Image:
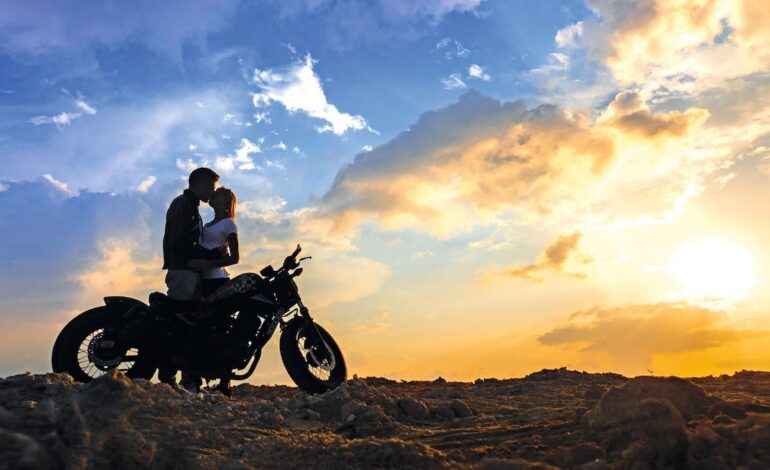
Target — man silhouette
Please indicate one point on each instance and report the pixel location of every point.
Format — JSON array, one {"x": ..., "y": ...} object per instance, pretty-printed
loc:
[{"x": 181, "y": 243}]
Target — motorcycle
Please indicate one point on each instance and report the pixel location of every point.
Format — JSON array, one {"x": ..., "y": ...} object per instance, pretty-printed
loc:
[{"x": 220, "y": 337}]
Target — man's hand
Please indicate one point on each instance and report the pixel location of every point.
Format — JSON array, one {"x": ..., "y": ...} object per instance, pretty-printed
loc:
[{"x": 199, "y": 264}]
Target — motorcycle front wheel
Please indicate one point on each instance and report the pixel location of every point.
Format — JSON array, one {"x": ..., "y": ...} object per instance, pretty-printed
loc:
[
  {"x": 313, "y": 360},
  {"x": 73, "y": 351}
]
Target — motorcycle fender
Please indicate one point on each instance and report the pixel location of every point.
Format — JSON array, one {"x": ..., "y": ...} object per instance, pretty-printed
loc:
[{"x": 123, "y": 303}]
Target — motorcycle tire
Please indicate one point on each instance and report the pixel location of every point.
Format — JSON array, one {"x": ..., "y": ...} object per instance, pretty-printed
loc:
[
  {"x": 69, "y": 344},
  {"x": 299, "y": 364}
]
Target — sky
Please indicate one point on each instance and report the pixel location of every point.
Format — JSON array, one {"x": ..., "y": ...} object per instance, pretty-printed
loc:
[{"x": 487, "y": 187}]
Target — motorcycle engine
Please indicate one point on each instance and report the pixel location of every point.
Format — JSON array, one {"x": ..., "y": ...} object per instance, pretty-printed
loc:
[{"x": 223, "y": 345}]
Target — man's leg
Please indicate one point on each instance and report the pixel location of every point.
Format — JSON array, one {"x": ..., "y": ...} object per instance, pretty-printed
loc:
[{"x": 182, "y": 285}]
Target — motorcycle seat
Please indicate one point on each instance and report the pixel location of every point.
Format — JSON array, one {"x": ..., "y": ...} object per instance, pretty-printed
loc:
[{"x": 162, "y": 302}]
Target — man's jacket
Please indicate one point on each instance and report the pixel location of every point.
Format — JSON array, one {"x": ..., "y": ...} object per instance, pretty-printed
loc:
[{"x": 182, "y": 235}]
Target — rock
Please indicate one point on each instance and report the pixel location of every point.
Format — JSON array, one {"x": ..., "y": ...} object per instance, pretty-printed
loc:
[
  {"x": 594, "y": 392},
  {"x": 493, "y": 463},
  {"x": 414, "y": 408},
  {"x": 722, "y": 419},
  {"x": 727, "y": 409},
  {"x": 707, "y": 435},
  {"x": 310, "y": 414},
  {"x": 659, "y": 438},
  {"x": 20, "y": 451},
  {"x": 442, "y": 412},
  {"x": 620, "y": 403},
  {"x": 586, "y": 452},
  {"x": 460, "y": 409},
  {"x": 440, "y": 380}
]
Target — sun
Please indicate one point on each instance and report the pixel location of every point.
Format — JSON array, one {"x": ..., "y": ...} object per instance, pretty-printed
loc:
[{"x": 712, "y": 269}]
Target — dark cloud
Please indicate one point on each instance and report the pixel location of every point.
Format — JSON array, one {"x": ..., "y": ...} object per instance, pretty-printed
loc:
[
  {"x": 629, "y": 113},
  {"x": 633, "y": 334},
  {"x": 49, "y": 235},
  {"x": 72, "y": 27},
  {"x": 477, "y": 156},
  {"x": 554, "y": 258},
  {"x": 348, "y": 24}
]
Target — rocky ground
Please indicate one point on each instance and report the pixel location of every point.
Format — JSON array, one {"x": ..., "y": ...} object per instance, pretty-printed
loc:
[{"x": 549, "y": 419}]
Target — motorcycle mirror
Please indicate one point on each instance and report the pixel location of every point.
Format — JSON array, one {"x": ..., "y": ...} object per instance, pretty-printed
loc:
[
  {"x": 297, "y": 272},
  {"x": 306, "y": 257}
]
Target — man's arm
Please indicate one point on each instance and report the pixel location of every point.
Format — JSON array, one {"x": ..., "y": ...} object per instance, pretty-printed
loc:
[{"x": 182, "y": 234}]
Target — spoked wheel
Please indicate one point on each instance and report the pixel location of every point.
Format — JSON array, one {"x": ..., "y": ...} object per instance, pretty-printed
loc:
[
  {"x": 313, "y": 360},
  {"x": 78, "y": 350}
]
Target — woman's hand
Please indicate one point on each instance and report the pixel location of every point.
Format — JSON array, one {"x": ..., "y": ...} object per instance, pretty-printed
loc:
[{"x": 200, "y": 264}]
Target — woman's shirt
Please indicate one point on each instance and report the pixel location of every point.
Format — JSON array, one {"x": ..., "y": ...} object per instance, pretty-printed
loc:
[{"x": 214, "y": 235}]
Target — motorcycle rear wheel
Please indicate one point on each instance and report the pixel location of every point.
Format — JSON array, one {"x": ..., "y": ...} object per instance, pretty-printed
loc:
[
  {"x": 304, "y": 368},
  {"x": 72, "y": 353}
]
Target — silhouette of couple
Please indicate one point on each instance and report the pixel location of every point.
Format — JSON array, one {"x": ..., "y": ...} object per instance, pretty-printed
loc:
[{"x": 195, "y": 254}]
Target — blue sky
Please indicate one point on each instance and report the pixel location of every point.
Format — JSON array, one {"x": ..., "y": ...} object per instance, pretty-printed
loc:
[{"x": 527, "y": 160}]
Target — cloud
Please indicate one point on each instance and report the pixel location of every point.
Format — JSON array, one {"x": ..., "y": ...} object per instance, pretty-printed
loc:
[
  {"x": 674, "y": 45},
  {"x": 61, "y": 186},
  {"x": 629, "y": 113},
  {"x": 50, "y": 234},
  {"x": 54, "y": 27},
  {"x": 476, "y": 71},
  {"x": 85, "y": 107},
  {"x": 453, "y": 82},
  {"x": 154, "y": 131},
  {"x": 298, "y": 88},
  {"x": 349, "y": 24},
  {"x": 569, "y": 36},
  {"x": 453, "y": 49},
  {"x": 61, "y": 119},
  {"x": 555, "y": 258},
  {"x": 146, "y": 184},
  {"x": 479, "y": 161},
  {"x": 632, "y": 335}
]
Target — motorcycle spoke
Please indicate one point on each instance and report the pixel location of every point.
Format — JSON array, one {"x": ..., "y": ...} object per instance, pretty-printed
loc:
[{"x": 90, "y": 369}]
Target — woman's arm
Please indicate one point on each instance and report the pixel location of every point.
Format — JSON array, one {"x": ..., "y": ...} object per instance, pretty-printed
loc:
[{"x": 233, "y": 258}]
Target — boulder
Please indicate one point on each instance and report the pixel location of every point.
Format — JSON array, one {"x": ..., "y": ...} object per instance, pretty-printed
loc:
[
  {"x": 414, "y": 408},
  {"x": 619, "y": 404},
  {"x": 460, "y": 409}
]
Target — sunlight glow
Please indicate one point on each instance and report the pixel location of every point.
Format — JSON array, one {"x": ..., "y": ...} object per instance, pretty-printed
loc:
[{"x": 713, "y": 269}]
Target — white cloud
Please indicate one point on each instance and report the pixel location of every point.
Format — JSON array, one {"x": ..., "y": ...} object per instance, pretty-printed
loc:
[
  {"x": 146, "y": 184},
  {"x": 453, "y": 82},
  {"x": 242, "y": 159},
  {"x": 61, "y": 119},
  {"x": 477, "y": 71},
  {"x": 186, "y": 165},
  {"x": 265, "y": 210},
  {"x": 85, "y": 107},
  {"x": 453, "y": 49},
  {"x": 422, "y": 254},
  {"x": 568, "y": 37},
  {"x": 262, "y": 117},
  {"x": 56, "y": 183},
  {"x": 280, "y": 146},
  {"x": 367, "y": 148},
  {"x": 298, "y": 88},
  {"x": 296, "y": 150},
  {"x": 192, "y": 147}
]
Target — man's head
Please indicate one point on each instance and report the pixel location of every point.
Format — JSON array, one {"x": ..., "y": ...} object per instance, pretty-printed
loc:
[{"x": 203, "y": 182}]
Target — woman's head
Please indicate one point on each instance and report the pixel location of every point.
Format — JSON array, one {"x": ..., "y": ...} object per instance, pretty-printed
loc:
[{"x": 224, "y": 200}]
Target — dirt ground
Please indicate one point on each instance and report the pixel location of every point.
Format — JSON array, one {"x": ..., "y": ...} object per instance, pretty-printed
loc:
[{"x": 550, "y": 419}]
